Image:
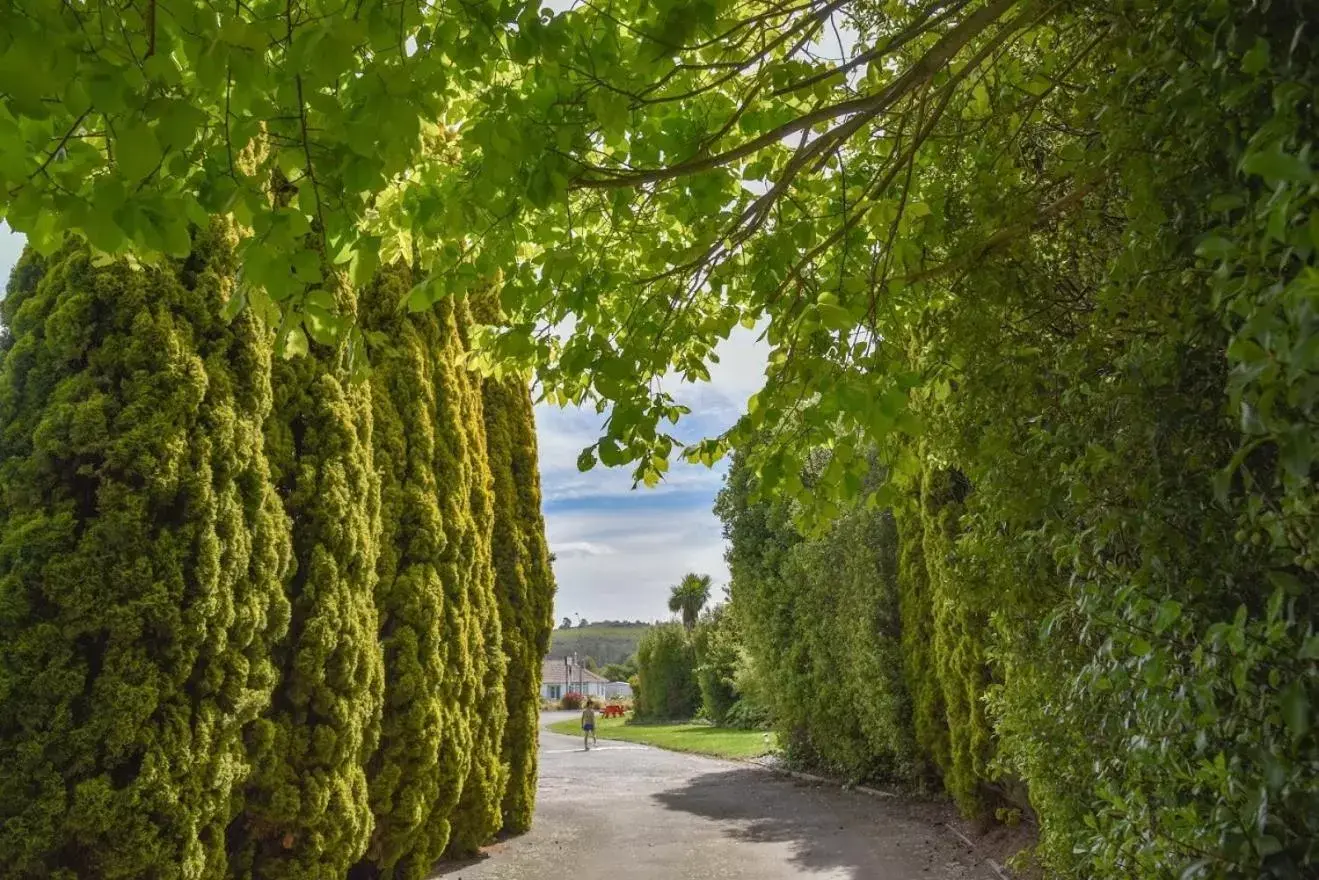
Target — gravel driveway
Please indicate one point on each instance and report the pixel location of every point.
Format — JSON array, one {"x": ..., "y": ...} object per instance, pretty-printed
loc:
[{"x": 628, "y": 812}]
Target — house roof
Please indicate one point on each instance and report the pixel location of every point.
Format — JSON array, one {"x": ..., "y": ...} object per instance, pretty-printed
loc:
[{"x": 554, "y": 671}]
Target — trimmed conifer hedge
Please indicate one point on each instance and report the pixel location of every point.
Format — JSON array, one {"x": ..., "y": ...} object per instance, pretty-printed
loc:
[
  {"x": 524, "y": 584},
  {"x": 307, "y": 813},
  {"x": 477, "y": 817},
  {"x": 258, "y": 618},
  {"x": 433, "y": 558},
  {"x": 142, "y": 560}
]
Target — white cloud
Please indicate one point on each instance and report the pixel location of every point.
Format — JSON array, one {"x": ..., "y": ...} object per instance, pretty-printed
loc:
[
  {"x": 652, "y": 550},
  {"x": 577, "y": 549},
  {"x": 655, "y": 535}
]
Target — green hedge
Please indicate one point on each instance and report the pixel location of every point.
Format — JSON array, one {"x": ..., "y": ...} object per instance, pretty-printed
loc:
[
  {"x": 1105, "y": 492},
  {"x": 716, "y": 644},
  {"x": 253, "y": 613},
  {"x": 477, "y": 816},
  {"x": 666, "y": 671},
  {"x": 307, "y": 812},
  {"x": 524, "y": 584},
  {"x": 142, "y": 565},
  {"x": 425, "y": 524},
  {"x": 820, "y": 615}
]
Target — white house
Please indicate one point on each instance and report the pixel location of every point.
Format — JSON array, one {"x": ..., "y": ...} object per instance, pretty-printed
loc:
[{"x": 559, "y": 677}]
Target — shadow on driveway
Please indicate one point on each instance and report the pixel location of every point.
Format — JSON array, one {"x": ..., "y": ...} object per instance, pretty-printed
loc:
[{"x": 826, "y": 830}]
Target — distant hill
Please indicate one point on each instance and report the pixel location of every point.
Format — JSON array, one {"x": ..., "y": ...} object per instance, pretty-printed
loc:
[{"x": 606, "y": 642}]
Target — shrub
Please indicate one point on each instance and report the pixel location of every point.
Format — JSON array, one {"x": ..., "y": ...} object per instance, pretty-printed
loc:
[
  {"x": 471, "y": 595},
  {"x": 142, "y": 558},
  {"x": 819, "y": 616},
  {"x": 715, "y": 642},
  {"x": 667, "y": 673},
  {"x": 429, "y": 536},
  {"x": 572, "y": 700},
  {"x": 524, "y": 581},
  {"x": 307, "y": 813}
]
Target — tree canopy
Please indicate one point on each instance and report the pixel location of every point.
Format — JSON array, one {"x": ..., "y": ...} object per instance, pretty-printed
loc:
[
  {"x": 648, "y": 176},
  {"x": 689, "y": 596},
  {"x": 1036, "y": 275}
]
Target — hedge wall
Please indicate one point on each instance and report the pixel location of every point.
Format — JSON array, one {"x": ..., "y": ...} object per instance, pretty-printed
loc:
[
  {"x": 524, "y": 584},
  {"x": 142, "y": 563},
  {"x": 307, "y": 812},
  {"x": 258, "y": 617}
]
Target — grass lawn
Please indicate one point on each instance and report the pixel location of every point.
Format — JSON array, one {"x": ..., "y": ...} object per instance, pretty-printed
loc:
[{"x": 700, "y": 739}]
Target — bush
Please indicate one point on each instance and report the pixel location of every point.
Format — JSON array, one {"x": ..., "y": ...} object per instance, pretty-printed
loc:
[
  {"x": 572, "y": 700},
  {"x": 715, "y": 641},
  {"x": 819, "y": 616},
  {"x": 667, "y": 673},
  {"x": 431, "y": 541},
  {"x": 143, "y": 553},
  {"x": 524, "y": 581},
  {"x": 308, "y": 812}
]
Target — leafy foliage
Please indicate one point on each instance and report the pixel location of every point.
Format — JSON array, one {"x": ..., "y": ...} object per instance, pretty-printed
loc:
[
  {"x": 666, "y": 675},
  {"x": 524, "y": 583},
  {"x": 716, "y": 645},
  {"x": 142, "y": 564},
  {"x": 689, "y": 596},
  {"x": 820, "y": 616},
  {"x": 619, "y": 671}
]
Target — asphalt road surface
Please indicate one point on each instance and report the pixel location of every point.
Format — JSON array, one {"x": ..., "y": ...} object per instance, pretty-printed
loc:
[{"x": 629, "y": 812}]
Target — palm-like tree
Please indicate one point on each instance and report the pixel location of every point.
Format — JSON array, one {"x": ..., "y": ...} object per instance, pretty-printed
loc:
[{"x": 689, "y": 597}]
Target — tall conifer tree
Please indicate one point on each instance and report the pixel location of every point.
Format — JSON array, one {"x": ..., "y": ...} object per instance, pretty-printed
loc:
[
  {"x": 434, "y": 558},
  {"x": 142, "y": 556},
  {"x": 477, "y": 817},
  {"x": 524, "y": 582},
  {"x": 308, "y": 815}
]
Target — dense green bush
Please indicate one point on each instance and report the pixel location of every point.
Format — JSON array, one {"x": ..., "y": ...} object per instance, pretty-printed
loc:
[
  {"x": 478, "y": 814},
  {"x": 524, "y": 583},
  {"x": 820, "y": 616},
  {"x": 620, "y": 671},
  {"x": 425, "y": 523},
  {"x": 950, "y": 611},
  {"x": 141, "y": 564},
  {"x": 308, "y": 813},
  {"x": 717, "y": 646},
  {"x": 666, "y": 673}
]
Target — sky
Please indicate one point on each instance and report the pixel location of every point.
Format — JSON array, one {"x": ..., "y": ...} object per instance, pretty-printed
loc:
[{"x": 619, "y": 550}]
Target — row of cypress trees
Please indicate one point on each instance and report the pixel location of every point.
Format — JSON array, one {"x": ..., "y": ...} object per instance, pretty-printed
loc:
[{"x": 257, "y": 619}]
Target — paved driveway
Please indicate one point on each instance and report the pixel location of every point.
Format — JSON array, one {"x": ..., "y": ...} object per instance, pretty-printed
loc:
[{"x": 627, "y": 812}]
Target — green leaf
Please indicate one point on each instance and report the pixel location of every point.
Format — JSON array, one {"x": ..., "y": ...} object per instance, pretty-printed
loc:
[
  {"x": 1215, "y": 247},
  {"x": 1167, "y": 614},
  {"x": 174, "y": 229},
  {"x": 1257, "y": 58},
  {"x": 1295, "y": 704},
  {"x": 233, "y": 305},
  {"x": 586, "y": 460},
  {"x": 1276, "y": 165},
  {"x": 137, "y": 151},
  {"x": 295, "y": 343},
  {"x": 307, "y": 267}
]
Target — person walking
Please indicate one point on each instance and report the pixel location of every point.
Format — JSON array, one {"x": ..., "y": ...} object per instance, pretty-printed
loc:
[{"x": 588, "y": 725}]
